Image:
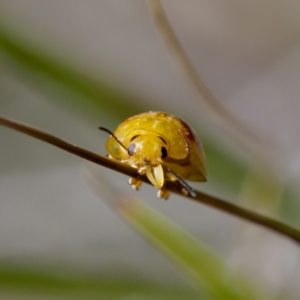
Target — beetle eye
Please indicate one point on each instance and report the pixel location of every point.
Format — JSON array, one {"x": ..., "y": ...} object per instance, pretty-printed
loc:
[
  {"x": 131, "y": 149},
  {"x": 164, "y": 152}
]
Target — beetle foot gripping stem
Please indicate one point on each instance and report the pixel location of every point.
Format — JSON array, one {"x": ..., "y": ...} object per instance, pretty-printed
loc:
[
  {"x": 135, "y": 183},
  {"x": 163, "y": 193}
]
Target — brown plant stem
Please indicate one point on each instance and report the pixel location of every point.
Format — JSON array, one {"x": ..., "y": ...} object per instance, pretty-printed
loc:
[
  {"x": 242, "y": 131},
  {"x": 174, "y": 187}
]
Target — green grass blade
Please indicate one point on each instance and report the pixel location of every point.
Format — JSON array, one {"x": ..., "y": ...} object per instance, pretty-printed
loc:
[
  {"x": 24, "y": 282},
  {"x": 22, "y": 54},
  {"x": 202, "y": 265}
]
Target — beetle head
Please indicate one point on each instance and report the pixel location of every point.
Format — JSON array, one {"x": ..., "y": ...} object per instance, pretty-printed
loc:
[{"x": 147, "y": 153}]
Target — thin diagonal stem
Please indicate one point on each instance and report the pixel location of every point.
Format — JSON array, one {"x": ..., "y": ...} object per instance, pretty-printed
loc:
[{"x": 174, "y": 187}]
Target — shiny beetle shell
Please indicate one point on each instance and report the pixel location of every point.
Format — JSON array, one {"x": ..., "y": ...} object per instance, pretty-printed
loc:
[{"x": 157, "y": 141}]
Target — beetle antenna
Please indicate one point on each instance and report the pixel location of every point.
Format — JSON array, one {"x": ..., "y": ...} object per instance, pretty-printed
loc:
[
  {"x": 183, "y": 183},
  {"x": 113, "y": 135}
]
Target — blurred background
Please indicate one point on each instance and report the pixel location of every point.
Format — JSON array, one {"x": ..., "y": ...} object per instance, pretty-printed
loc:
[{"x": 68, "y": 67}]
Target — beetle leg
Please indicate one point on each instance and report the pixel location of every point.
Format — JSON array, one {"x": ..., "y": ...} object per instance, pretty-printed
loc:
[
  {"x": 135, "y": 183},
  {"x": 184, "y": 191},
  {"x": 163, "y": 193},
  {"x": 142, "y": 170}
]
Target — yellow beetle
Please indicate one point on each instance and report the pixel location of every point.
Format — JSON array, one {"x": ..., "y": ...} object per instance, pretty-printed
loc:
[{"x": 161, "y": 146}]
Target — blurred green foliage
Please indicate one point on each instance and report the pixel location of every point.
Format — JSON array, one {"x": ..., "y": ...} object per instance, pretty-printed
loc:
[
  {"x": 204, "y": 266},
  {"x": 209, "y": 271},
  {"x": 16, "y": 281}
]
